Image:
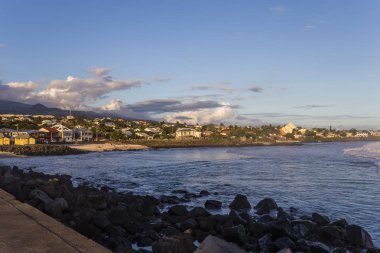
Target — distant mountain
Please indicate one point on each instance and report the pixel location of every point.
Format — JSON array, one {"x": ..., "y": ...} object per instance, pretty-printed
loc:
[{"x": 11, "y": 107}]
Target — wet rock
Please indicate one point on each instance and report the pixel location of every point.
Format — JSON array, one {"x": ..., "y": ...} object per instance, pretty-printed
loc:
[
  {"x": 40, "y": 195},
  {"x": 240, "y": 202},
  {"x": 357, "y": 236},
  {"x": 101, "y": 221},
  {"x": 178, "y": 210},
  {"x": 321, "y": 220},
  {"x": 331, "y": 235},
  {"x": 175, "y": 244},
  {"x": 206, "y": 223},
  {"x": 256, "y": 229},
  {"x": 169, "y": 199},
  {"x": 213, "y": 204},
  {"x": 214, "y": 244},
  {"x": 266, "y": 244},
  {"x": 236, "y": 234},
  {"x": 287, "y": 250},
  {"x": 56, "y": 207},
  {"x": 313, "y": 247},
  {"x": 265, "y": 206},
  {"x": 198, "y": 212},
  {"x": 189, "y": 223},
  {"x": 340, "y": 223},
  {"x": 204, "y": 193},
  {"x": 285, "y": 243},
  {"x": 236, "y": 219}
]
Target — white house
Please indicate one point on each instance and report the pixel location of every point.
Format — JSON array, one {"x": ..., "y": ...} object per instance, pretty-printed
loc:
[
  {"x": 187, "y": 133},
  {"x": 361, "y": 135},
  {"x": 288, "y": 129},
  {"x": 65, "y": 133},
  {"x": 83, "y": 134}
]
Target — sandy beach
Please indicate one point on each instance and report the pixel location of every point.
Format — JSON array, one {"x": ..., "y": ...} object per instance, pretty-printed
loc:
[{"x": 101, "y": 147}]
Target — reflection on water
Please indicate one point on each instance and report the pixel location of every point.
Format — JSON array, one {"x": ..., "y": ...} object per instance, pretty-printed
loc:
[{"x": 313, "y": 177}]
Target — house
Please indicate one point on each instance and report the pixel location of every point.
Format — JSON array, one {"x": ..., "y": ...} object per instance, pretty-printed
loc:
[
  {"x": 47, "y": 122},
  {"x": 4, "y": 140},
  {"x": 48, "y": 134},
  {"x": 24, "y": 139},
  {"x": 144, "y": 136},
  {"x": 187, "y": 133},
  {"x": 287, "y": 129},
  {"x": 154, "y": 130},
  {"x": 126, "y": 132},
  {"x": 361, "y": 135},
  {"x": 110, "y": 124},
  {"x": 83, "y": 134},
  {"x": 65, "y": 134}
]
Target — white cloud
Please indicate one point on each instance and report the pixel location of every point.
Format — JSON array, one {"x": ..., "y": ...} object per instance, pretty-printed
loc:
[
  {"x": 204, "y": 116},
  {"x": 72, "y": 92},
  {"x": 114, "y": 105}
]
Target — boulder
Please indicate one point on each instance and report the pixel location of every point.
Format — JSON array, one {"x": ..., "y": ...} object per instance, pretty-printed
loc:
[
  {"x": 284, "y": 243},
  {"x": 101, "y": 220},
  {"x": 198, "y": 212},
  {"x": 321, "y": 220},
  {"x": 331, "y": 235},
  {"x": 313, "y": 247},
  {"x": 40, "y": 195},
  {"x": 236, "y": 234},
  {"x": 213, "y": 204},
  {"x": 175, "y": 244},
  {"x": 214, "y": 244},
  {"x": 265, "y": 206},
  {"x": 287, "y": 250},
  {"x": 178, "y": 210},
  {"x": 240, "y": 202},
  {"x": 357, "y": 236}
]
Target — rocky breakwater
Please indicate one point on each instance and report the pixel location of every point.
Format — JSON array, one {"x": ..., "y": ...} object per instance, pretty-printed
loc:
[
  {"x": 119, "y": 221},
  {"x": 41, "y": 150}
]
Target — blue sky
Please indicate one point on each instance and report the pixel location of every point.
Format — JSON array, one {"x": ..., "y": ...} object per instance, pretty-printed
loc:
[{"x": 315, "y": 63}]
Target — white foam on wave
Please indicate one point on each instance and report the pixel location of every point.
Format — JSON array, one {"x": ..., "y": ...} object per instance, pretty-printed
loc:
[{"x": 371, "y": 150}]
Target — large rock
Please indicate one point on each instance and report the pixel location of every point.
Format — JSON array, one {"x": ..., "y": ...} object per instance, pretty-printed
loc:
[
  {"x": 357, "y": 236},
  {"x": 178, "y": 210},
  {"x": 321, "y": 220},
  {"x": 331, "y": 235},
  {"x": 236, "y": 234},
  {"x": 40, "y": 195},
  {"x": 214, "y": 244},
  {"x": 213, "y": 204},
  {"x": 175, "y": 244},
  {"x": 313, "y": 247},
  {"x": 240, "y": 202},
  {"x": 265, "y": 206}
]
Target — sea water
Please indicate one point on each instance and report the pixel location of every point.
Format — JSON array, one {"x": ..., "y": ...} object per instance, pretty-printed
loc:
[{"x": 340, "y": 180}]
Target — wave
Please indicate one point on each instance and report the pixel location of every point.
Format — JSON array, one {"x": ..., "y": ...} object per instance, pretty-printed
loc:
[{"x": 371, "y": 150}]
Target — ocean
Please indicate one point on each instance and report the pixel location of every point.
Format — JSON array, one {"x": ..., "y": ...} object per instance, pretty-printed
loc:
[{"x": 340, "y": 180}]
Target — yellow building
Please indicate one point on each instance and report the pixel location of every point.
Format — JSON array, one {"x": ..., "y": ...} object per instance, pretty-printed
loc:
[
  {"x": 24, "y": 139},
  {"x": 4, "y": 140}
]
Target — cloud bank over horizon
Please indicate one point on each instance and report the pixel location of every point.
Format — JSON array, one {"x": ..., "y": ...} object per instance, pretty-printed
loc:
[{"x": 78, "y": 93}]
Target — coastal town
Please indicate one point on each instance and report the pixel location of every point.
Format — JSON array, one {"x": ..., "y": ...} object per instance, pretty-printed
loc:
[{"x": 43, "y": 129}]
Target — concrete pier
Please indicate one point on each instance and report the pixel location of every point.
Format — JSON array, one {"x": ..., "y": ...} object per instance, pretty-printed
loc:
[{"x": 24, "y": 228}]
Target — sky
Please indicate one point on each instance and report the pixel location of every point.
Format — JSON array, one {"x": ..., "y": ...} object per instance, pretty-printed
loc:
[{"x": 315, "y": 63}]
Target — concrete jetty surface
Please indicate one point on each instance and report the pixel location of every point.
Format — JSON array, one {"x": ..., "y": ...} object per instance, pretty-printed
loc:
[{"x": 24, "y": 228}]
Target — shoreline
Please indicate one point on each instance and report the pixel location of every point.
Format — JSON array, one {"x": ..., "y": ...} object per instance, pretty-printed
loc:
[
  {"x": 106, "y": 147},
  {"x": 139, "y": 145},
  {"x": 119, "y": 220}
]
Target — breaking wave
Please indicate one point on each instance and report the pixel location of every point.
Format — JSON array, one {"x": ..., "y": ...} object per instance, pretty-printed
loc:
[{"x": 371, "y": 150}]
